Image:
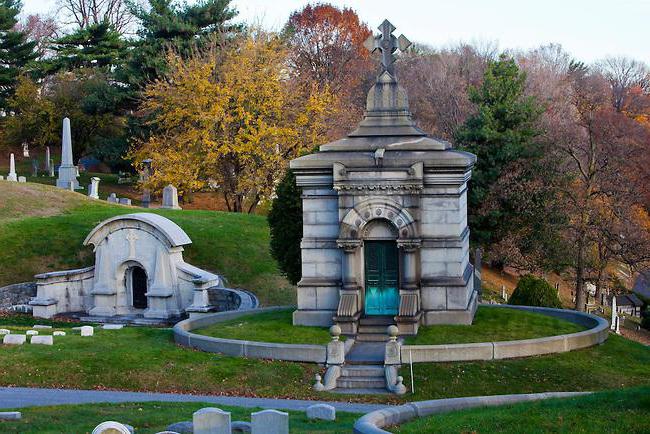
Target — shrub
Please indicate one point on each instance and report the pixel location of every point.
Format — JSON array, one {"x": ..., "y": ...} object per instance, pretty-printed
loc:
[
  {"x": 534, "y": 291},
  {"x": 285, "y": 222}
]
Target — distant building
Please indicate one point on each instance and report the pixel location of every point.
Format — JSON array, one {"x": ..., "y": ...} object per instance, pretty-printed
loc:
[{"x": 629, "y": 304}]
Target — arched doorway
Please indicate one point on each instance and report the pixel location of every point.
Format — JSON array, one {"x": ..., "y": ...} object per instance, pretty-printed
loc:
[
  {"x": 137, "y": 281},
  {"x": 381, "y": 269}
]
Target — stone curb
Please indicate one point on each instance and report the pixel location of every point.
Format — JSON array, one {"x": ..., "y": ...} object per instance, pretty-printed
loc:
[
  {"x": 239, "y": 348},
  {"x": 596, "y": 334},
  {"x": 373, "y": 422}
]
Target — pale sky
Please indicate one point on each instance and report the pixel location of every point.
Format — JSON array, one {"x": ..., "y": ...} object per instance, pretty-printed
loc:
[{"x": 588, "y": 29}]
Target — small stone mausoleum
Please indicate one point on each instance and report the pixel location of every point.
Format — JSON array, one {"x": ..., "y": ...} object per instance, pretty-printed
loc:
[
  {"x": 139, "y": 271},
  {"x": 385, "y": 218}
]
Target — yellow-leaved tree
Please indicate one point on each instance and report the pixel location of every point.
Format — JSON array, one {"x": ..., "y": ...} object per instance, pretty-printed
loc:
[{"x": 230, "y": 120}]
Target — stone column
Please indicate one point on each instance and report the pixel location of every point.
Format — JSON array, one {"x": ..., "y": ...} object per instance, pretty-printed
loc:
[
  {"x": 67, "y": 171},
  {"x": 47, "y": 159},
  {"x": 93, "y": 188},
  {"x": 408, "y": 316},
  {"x": 409, "y": 249},
  {"x": 12, "y": 169},
  {"x": 349, "y": 308},
  {"x": 349, "y": 254}
]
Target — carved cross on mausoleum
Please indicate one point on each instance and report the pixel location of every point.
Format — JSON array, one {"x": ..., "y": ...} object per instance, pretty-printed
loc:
[{"x": 388, "y": 44}]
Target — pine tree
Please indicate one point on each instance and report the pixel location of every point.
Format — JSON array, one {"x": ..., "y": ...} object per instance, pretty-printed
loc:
[{"x": 16, "y": 52}]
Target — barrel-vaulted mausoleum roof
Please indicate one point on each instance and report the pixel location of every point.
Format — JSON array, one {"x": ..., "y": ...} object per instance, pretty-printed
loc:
[{"x": 157, "y": 225}]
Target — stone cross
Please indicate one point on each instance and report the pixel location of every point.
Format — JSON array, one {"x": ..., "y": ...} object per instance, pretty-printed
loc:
[
  {"x": 131, "y": 237},
  {"x": 387, "y": 43},
  {"x": 12, "y": 169}
]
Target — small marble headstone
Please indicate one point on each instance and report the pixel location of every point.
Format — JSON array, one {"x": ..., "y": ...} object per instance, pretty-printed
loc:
[
  {"x": 22, "y": 179},
  {"x": 93, "y": 188},
  {"x": 42, "y": 340},
  {"x": 112, "y": 198},
  {"x": 87, "y": 331},
  {"x": 211, "y": 420},
  {"x": 41, "y": 326},
  {"x": 321, "y": 411},
  {"x": 111, "y": 427},
  {"x": 125, "y": 201},
  {"x": 170, "y": 198},
  {"x": 11, "y": 339},
  {"x": 58, "y": 333},
  {"x": 31, "y": 332},
  {"x": 4, "y": 331},
  {"x": 25, "y": 150},
  {"x": 112, "y": 326},
  {"x": 10, "y": 415},
  {"x": 270, "y": 422}
]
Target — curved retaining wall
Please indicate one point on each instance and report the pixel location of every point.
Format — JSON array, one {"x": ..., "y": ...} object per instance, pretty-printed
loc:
[
  {"x": 232, "y": 347},
  {"x": 373, "y": 422},
  {"x": 597, "y": 332}
]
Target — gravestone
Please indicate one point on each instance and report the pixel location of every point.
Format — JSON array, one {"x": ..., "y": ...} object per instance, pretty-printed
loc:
[
  {"x": 41, "y": 326},
  {"x": 270, "y": 422},
  {"x": 42, "y": 340},
  {"x": 111, "y": 427},
  {"x": 112, "y": 326},
  {"x": 25, "y": 150},
  {"x": 321, "y": 411},
  {"x": 51, "y": 168},
  {"x": 10, "y": 415},
  {"x": 170, "y": 198},
  {"x": 12, "y": 169},
  {"x": 211, "y": 420},
  {"x": 87, "y": 331},
  {"x": 614, "y": 314},
  {"x": 2, "y": 178},
  {"x": 67, "y": 170},
  {"x": 31, "y": 332},
  {"x": 5, "y": 331},
  {"x": 12, "y": 339},
  {"x": 112, "y": 198},
  {"x": 47, "y": 159},
  {"x": 93, "y": 188},
  {"x": 58, "y": 333},
  {"x": 125, "y": 201},
  {"x": 22, "y": 179}
]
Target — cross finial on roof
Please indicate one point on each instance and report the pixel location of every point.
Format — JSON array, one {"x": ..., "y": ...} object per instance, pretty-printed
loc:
[{"x": 388, "y": 44}]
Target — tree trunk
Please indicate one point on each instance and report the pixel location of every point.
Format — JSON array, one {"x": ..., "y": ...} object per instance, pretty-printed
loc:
[{"x": 580, "y": 269}]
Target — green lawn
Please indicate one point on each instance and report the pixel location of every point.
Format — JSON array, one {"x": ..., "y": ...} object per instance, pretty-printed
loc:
[
  {"x": 495, "y": 324},
  {"x": 273, "y": 326},
  {"x": 619, "y": 411},
  {"x": 149, "y": 418},
  {"x": 42, "y": 229}
]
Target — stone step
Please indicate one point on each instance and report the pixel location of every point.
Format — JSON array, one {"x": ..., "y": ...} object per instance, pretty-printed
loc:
[
  {"x": 377, "y": 320},
  {"x": 373, "y": 329},
  {"x": 372, "y": 337},
  {"x": 361, "y": 391},
  {"x": 361, "y": 382},
  {"x": 363, "y": 371}
]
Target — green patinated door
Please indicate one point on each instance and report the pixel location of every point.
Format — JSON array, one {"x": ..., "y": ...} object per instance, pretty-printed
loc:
[{"x": 382, "y": 275}]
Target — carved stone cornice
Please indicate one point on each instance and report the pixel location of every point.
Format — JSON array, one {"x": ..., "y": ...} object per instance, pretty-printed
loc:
[
  {"x": 409, "y": 245},
  {"x": 415, "y": 187},
  {"x": 349, "y": 246}
]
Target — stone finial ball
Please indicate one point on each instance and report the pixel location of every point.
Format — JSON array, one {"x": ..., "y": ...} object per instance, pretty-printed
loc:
[
  {"x": 335, "y": 330},
  {"x": 392, "y": 331},
  {"x": 400, "y": 379}
]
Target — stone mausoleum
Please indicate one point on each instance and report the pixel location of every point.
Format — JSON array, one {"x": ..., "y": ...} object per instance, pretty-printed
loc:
[
  {"x": 385, "y": 218},
  {"x": 139, "y": 271}
]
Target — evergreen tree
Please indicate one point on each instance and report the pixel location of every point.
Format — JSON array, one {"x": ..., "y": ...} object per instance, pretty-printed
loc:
[
  {"x": 166, "y": 25},
  {"x": 285, "y": 222},
  {"x": 502, "y": 131},
  {"x": 16, "y": 52}
]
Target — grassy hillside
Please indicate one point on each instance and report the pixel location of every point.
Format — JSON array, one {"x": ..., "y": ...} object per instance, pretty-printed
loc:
[{"x": 42, "y": 229}]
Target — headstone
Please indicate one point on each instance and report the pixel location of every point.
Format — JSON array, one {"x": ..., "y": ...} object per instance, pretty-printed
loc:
[
  {"x": 51, "y": 168},
  {"x": 112, "y": 326},
  {"x": 5, "y": 331},
  {"x": 35, "y": 167},
  {"x": 11, "y": 339},
  {"x": 239, "y": 426},
  {"x": 31, "y": 332},
  {"x": 185, "y": 427},
  {"x": 25, "y": 150},
  {"x": 2, "y": 178},
  {"x": 211, "y": 420},
  {"x": 41, "y": 326},
  {"x": 67, "y": 170},
  {"x": 58, "y": 333},
  {"x": 112, "y": 198},
  {"x": 614, "y": 313},
  {"x": 270, "y": 422},
  {"x": 111, "y": 427},
  {"x": 12, "y": 169},
  {"x": 42, "y": 340},
  {"x": 504, "y": 294},
  {"x": 170, "y": 198},
  {"x": 321, "y": 411},
  {"x": 617, "y": 330},
  {"x": 10, "y": 415},
  {"x": 87, "y": 331},
  {"x": 125, "y": 201},
  {"x": 47, "y": 159},
  {"x": 93, "y": 188},
  {"x": 22, "y": 179}
]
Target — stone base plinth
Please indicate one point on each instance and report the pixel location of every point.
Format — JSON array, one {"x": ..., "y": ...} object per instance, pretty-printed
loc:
[
  {"x": 461, "y": 317},
  {"x": 322, "y": 318}
]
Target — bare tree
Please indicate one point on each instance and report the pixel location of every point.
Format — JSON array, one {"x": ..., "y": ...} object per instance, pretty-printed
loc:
[
  {"x": 623, "y": 74},
  {"x": 41, "y": 29},
  {"x": 84, "y": 13}
]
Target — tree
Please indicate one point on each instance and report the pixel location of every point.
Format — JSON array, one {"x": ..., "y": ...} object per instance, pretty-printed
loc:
[
  {"x": 326, "y": 47},
  {"x": 623, "y": 75},
  {"x": 40, "y": 29},
  {"x": 229, "y": 120},
  {"x": 534, "y": 291},
  {"x": 502, "y": 131},
  {"x": 89, "y": 13},
  {"x": 285, "y": 223},
  {"x": 16, "y": 52}
]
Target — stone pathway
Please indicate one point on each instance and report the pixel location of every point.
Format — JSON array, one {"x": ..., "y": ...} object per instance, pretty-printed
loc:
[{"x": 17, "y": 397}]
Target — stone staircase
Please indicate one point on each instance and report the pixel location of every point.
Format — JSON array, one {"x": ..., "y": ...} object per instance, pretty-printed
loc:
[{"x": 373, "y": 328}]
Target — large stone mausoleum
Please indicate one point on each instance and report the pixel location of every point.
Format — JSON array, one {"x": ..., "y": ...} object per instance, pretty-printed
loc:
[{"x": 385, "y": 218}]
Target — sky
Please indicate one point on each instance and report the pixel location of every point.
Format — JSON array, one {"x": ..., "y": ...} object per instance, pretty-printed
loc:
[{"x": 589, "y": 30}]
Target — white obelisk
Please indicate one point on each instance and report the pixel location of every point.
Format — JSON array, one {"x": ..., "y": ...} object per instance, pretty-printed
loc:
[
  {"x": 67, "y": 170},
  {"x": 12, "y": 169}
]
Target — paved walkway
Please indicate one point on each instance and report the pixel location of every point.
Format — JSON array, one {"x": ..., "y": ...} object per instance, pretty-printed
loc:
[{"x": 15, "y": 397}]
